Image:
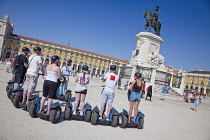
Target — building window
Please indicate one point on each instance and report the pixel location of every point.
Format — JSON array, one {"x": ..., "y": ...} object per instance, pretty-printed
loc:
[
  {"x": 18, "y": 42},
  {"x": 24, "y": 44},
  {"x": 10, "y": 41}
]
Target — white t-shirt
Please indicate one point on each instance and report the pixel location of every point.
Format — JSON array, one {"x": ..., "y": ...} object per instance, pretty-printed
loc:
[
  {"x": 33, "y": 68},
  {"x": 66, "y": 70},
  {"x": 84, "y": 80},
  {"x": 111, "y": 80}
]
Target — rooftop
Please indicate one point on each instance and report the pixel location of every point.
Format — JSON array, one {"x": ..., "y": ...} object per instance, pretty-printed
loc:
[
  {"x": 199, "y": 72},
  {"x": 71, "y": 48}
]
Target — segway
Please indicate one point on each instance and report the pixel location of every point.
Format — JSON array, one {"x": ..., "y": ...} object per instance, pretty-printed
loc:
[
  {"x": 62, "y": 93},
  {"x": 9, "y": 86},
  {"x": 113, "y": 117},
  {"x": 68, "y": 113},
  {"x": 17, "y": 98},
  {"x": 123, "y": 120},
  {"x": 55, "y": 111}
]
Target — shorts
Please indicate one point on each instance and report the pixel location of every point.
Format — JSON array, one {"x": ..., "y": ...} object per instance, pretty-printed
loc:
[
  {"x": 82, "y": 92},
  {"x": 50, "y": 88},
  {"x": 19, "y": 77},
  {"x": 13, "y": 71},
  {"x": 9, "y": 65},
  {"x": 30, "y": 83},
  {"x": 135, "y": 96},
  {"x": 196, "y": 102},
  {"x": 107, "y": 97}
]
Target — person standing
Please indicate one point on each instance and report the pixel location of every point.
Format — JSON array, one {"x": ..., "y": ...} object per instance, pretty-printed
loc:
[
  {"x": 108, "y": 93},
  {"x": 143, "y": 89},
  {"x": 46, "y": 63},
  {"x": 9, "y": 63},
  {"x": 164, "y": 91},
  {"x": 66, "y": 72},
  {"x": 135, "y": 96},
  {"x": 81, "y": 89},
  {"x": 196, "y": 100},
  {"x": 20, "y": 67},
  {"x": 51, "y": 83},
  {"x": 119, "y": 82},
  {"x": 149, "y": 93},
  {"x": 35, "y": 65}
]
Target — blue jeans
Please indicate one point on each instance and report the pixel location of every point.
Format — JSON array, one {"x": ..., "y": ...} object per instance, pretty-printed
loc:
[{"x": 135, "y": 96}]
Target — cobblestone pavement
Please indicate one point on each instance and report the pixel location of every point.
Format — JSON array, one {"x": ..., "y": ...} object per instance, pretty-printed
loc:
[{"x": 164, "y": 120}]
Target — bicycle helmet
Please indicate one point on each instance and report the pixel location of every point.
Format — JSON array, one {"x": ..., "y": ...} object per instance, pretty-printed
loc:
[
  {"x": 85, "y": 68},
  {"x": 69, "y": 61},
  {"x": 37, "y": 49},
  {"x": 137, "y": 74},
  {"x": 25, "y": 49},
  {"x": 113, "y": 67},
  {"x": 54, "y": 59}
]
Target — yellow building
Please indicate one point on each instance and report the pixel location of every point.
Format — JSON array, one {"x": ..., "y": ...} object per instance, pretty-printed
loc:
[
  {"x": 12, "y": 44},
  {"x": 198, "y": 80}
]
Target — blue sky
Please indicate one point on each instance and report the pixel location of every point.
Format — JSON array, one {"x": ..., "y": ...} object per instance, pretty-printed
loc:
[{"x": 109, "y": 27}]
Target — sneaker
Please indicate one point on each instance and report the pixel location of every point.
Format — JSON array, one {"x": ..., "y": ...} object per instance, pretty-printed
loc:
[
  {"x": 74, "y": 113},
  {"x": 107, "y": 119},
  {"x": 100, "y": 118},
  {"x": 81, "y": 113}
]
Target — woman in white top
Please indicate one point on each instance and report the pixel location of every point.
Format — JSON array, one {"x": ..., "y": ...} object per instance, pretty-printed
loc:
[
  {"x": 8, "y": 63},
  {"x": 51, "y": 84},
  {"x": 81, "y": 89}
]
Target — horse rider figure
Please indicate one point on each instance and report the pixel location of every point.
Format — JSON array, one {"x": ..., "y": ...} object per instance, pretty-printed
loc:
[{"x": 155, "y": 15}]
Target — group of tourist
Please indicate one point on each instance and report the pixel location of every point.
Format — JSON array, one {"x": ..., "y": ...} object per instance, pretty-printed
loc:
[{"x": 26, "y": 72}]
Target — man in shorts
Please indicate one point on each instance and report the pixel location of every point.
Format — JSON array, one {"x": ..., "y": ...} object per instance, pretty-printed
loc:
[
  {"x": 107, "y": 95},
  {"x": 35, "y": 64},
  {"x": 164, "y": 91},
  {"x": 20, "y": 67}
]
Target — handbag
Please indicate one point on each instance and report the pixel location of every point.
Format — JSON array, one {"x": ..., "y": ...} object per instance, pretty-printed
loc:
[{"x": 129, "y": 93}]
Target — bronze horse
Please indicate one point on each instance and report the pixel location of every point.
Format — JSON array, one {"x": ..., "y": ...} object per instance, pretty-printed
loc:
[{"x": 152, "y": 22}]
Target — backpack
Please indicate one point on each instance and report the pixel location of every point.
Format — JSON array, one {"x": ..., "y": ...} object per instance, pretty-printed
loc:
[{"x": 17, "y": 64}]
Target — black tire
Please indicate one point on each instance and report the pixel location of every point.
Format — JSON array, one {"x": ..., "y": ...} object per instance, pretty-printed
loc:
[
  {"x": 12, "y": 97},
  {"x": 88, "y": 116},
  {"x": 67, "y": 112},
  {"x": 123, "y": 120},
  {"x": 9, "y": 92},
  {"x": 114, "y": 121},
  {"x": 94, "y": 117},
  {"x": 16, "y": 100},
  {"x": 32, "y": 111},
  {"x": 140, "y": 124},
  {"x": 28, "y": 105},
  {"x": 8, "y": 87},
  {"x": 55, "y": 114},
  {"x": 68, "y": 96}
]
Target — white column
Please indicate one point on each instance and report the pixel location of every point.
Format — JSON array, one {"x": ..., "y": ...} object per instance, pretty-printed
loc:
[
  {"x": 119, "y": 71},
  {"x": 171, "y": 81},
  {"x": 133, "y": 72},
  {"x": 152, "y": 79},
  {"x": 182, "y": 87}
]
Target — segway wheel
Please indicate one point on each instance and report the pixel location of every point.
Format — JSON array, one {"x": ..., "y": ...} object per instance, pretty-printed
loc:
[
  {"x": 9, "y": 92},
  {"x": 32, "y": 111},
  {"x": 8, "y": 87},
  {"x": 123, "y": 120},
  {"x": 67, "y": 112},
  {"x": 28, "y": 105},
  {"x": 88, "y": 116},
  {"x": 68, "y": 96},
  {"x": 140, "y": 124},
  {"x": 94, "y": 118},
  {"x": 16, "y": 100},
  {"x": 55, "y": 115},
  {"x": 114, "y": 121}
]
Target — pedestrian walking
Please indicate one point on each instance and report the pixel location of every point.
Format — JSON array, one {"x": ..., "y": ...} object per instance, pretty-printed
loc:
[
  {"x": 66, "y": 71},
  {"x": 164, "y": 91},
  {"x": 149, "y": 93}
]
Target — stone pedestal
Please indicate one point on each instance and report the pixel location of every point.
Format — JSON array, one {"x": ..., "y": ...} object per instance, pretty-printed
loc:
[{"x": 146, "y": 54}]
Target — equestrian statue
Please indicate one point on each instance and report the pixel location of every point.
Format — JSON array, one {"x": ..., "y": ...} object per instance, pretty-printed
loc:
[{"x": 152, "y": 20}]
